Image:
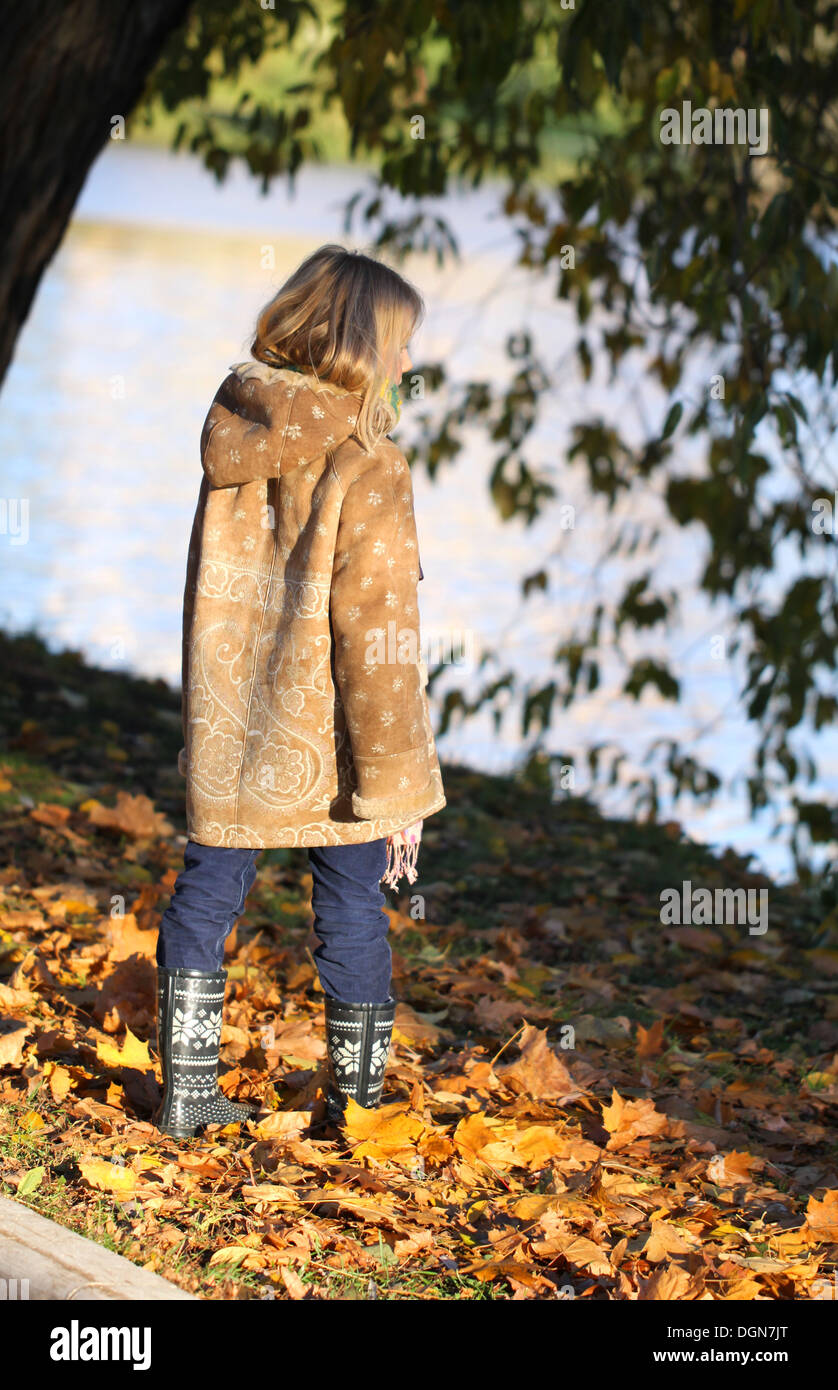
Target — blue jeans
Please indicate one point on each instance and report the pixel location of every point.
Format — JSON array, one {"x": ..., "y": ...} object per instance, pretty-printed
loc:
[{"x": 353, "y": 959}]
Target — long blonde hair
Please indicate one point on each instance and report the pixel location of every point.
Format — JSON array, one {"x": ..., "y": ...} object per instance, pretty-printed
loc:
[{"x": 342, "y": 316}]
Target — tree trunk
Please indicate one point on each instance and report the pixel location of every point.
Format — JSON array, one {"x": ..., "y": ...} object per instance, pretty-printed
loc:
[{"x": 66, "y": 68}]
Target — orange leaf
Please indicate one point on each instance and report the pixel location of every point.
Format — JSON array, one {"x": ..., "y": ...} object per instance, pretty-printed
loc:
[
  {"x": 293, "y": 1283},
  {"x": 132, "y": 815},
  {"x": 627, "y": 1120},
  {"x": 650, "y": 1040},
  {"x": 538, "y": 1071},
  {"x": 822, "y": 1217}
]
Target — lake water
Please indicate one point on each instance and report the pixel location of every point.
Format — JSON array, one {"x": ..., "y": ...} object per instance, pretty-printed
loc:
[{"x": 151, "y": 297}]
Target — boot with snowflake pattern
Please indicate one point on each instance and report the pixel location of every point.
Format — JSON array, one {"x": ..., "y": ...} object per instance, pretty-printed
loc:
[
  {"x": 358, "y": 1043},
  {"x": 189, "y": 1005}
]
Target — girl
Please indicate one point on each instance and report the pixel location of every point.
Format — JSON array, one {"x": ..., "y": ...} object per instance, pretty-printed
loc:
[{"x": 304, "y": 707}]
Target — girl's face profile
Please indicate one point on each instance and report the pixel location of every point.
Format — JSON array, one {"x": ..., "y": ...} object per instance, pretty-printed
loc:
[
  {"x": 400, "y": 359},
  {"x": 405, "y": 363}
]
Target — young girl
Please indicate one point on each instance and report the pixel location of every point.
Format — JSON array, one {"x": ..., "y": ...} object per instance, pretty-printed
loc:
[{"x": 305, "y": 713}]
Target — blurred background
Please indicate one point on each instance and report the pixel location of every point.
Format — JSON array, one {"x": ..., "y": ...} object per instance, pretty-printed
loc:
[{"x": 621, "y": 413}]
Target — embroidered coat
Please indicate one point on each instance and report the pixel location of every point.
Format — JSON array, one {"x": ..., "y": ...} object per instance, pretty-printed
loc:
[{"x": 305, "y": 713}]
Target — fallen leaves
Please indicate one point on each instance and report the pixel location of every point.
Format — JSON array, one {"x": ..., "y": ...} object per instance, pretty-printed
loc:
[
  {"x": 627, "y": 1120},
  {"x": 132, "y": 815},
  {"x": 132, "y": 1053},
  {"x": 577, "y": 1104},
  {"x": 107, "y": 1177},
  {"x": 537, "y": 1071}
]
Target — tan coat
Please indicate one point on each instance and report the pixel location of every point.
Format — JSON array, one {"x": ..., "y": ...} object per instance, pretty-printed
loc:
[{"x": 305, "y": 715}]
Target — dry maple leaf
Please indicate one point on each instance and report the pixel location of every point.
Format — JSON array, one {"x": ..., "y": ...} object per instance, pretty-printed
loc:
[
  {"x": 669, "y": 1283},
  {"x": 133, "y": 1053},
  {"x": 731, "y": 1168},
  {"x": 127, "y": 939},
  {"x": 531, "y": 1146},
  {"x": 60, "y": 1080},
  {"x": 283, "y": 1124},
  {"x": 390, "y": 1132},
  {"x": 12, "y": 1041},
  {"x": 293, "y": 1283},
  {"x": 822, "y": 1217},
  {"x": 295, "y": 1041},
  {"x": 650, "y": 1040},
  {"x": 627, "y": 1120},
  {"x": 666, "y": 1239},
  {"x": 412, "y": 1028},
  {"x": 132, "y": 815},
  {"x": 538, "y": 1071},
  {"x": 106, "y": 1176}
]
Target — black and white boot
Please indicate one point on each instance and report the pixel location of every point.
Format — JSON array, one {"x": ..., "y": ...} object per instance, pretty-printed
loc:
[
  {"x": 358, "y": 1040},
  {"x": 189, "y": 1005}
]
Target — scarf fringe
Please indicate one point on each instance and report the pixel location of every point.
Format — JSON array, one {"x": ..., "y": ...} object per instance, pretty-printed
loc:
[{"x": 401, "y": 863}]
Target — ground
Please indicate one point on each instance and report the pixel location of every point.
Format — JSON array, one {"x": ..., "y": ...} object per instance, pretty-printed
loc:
[{"x": 582, "y": 1100}]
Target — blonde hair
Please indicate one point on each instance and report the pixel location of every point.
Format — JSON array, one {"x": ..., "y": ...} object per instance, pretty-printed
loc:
[{"x": 342, "y": 316}]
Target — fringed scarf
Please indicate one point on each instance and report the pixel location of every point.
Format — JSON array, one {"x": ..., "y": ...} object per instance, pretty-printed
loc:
[{"x": 401, "y": 861}]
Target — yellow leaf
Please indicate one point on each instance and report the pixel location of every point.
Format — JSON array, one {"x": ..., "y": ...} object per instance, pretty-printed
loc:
[
  {"x": 106, "y": 1176},
  {"x": 529, "y": 1208},
  {"x": 32, "y": 1120},
  {"x": 231, "y": 1254},
  {"x": 133, "y": 1053},
  {"x": 60, "y": 1080}
]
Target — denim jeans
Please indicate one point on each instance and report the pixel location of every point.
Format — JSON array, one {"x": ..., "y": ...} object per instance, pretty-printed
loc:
[{"x": 353, "y": 959}]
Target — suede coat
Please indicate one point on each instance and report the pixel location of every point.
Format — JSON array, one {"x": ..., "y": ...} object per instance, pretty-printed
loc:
[{"x": 305, "y": 713}]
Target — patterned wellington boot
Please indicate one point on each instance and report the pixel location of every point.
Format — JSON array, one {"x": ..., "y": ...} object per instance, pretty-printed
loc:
[
  {"x": 358, "y": 1043},
  {"x": 189, "y": 1004}
]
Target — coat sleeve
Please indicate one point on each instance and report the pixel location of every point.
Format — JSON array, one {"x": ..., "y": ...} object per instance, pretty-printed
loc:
[{"x": 375, "y": 626}]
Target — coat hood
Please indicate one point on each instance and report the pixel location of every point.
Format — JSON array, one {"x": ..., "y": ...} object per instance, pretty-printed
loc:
[{"x": 280, "y": 417}]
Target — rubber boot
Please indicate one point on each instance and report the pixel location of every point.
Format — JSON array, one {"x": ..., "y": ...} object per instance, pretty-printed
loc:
[
  {"x": 358, "y": 1040},
  {"x": 189, "y": 1005}
]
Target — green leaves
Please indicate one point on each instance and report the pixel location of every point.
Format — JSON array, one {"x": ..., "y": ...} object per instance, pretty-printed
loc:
[{"x": 30, "y": 1181}]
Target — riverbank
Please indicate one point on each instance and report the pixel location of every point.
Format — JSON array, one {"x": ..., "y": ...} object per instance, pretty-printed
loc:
[{"x": 582, "y": 1100}]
